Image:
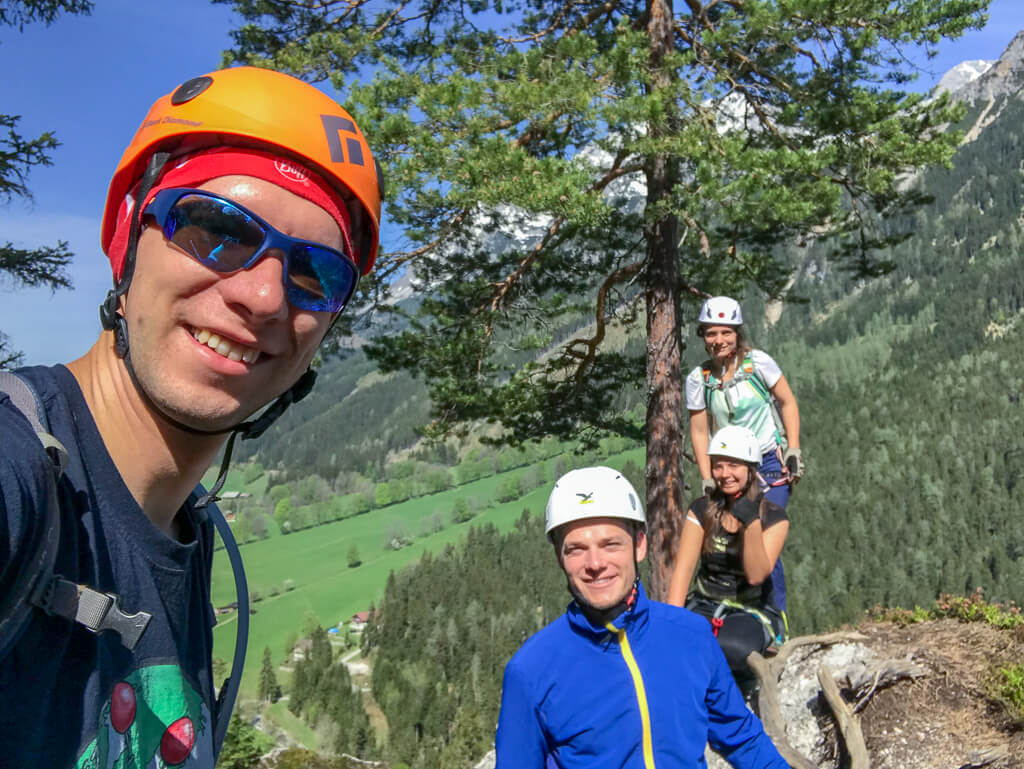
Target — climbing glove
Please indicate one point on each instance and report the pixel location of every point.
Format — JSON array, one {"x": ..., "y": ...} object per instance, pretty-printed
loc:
[
  {"x": 708, "y": 486},
  {"x": 794, "y": 462},
  {"x": 744, "y": 510}
]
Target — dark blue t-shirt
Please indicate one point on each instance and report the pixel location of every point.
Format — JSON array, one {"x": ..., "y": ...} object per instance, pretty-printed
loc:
[{"x": 71, "y": 698}]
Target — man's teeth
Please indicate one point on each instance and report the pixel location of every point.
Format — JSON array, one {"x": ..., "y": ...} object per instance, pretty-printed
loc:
[{"x": 225, "y": 347}]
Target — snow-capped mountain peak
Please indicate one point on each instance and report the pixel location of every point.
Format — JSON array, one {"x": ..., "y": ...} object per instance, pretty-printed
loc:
[{"x": 963, "y": 73}]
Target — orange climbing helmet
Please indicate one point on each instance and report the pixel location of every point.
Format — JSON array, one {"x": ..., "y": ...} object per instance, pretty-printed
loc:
[{"x": 251, "y": 107}]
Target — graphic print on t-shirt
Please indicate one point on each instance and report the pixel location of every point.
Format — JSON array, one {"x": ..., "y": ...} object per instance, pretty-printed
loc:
[{"x": 154, "y": 719}]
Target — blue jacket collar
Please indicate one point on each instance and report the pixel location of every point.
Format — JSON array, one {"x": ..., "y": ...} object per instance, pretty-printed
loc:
[{"x": 630, "y": 620}]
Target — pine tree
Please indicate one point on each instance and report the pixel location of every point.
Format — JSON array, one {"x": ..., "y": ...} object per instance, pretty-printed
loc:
[
  {"x": 46, "y": 265},
  {"x": 243, "y": 745},
  {"x": 746, "y": 124},
  {"x": 269, "y": 691}
]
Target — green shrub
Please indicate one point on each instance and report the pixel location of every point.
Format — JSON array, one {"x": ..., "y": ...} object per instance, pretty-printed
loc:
[
  {"x": 1008, "y": 688},
  {"x": 972, "y": 608}
]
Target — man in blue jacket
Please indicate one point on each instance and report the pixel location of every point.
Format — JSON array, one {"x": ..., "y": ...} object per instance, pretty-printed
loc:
[{"x": 619, "y": 680}]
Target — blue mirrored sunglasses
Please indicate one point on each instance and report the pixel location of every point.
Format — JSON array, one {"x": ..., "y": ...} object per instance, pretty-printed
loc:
[{"x": 226, "y": 237}]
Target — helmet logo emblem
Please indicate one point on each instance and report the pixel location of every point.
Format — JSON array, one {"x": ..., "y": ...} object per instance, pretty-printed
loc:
[
  {"x": 585, "y": 499},
  {"x": 334, "y": 127},
  {"x": 190, "y": 89},
  {"x": 290, "y": 171}
]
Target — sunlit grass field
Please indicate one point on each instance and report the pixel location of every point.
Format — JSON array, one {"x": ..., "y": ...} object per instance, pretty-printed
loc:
[{"x": 315, "y": 561}]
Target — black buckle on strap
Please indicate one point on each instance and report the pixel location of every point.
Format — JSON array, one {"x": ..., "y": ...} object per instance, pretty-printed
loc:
[{"x": 93, "y": 610}]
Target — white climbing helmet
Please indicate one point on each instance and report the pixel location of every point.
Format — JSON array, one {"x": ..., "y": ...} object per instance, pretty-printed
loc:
[
  {"x": 720, "y": 311},
  {"x": 592, "y": 492},
  {"x": 735, "y": 442}
]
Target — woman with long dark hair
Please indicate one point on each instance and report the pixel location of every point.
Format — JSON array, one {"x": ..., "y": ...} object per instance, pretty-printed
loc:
[{"x": 731, "y": 540}]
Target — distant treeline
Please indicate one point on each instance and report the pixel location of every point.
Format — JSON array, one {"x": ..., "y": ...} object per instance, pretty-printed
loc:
[{"x": 313, "y": 500}]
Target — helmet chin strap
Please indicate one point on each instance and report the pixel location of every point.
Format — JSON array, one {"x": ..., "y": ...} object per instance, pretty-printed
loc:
[
  {"x": 602, "y": 617},
  {"x": 112, "y": 319}
]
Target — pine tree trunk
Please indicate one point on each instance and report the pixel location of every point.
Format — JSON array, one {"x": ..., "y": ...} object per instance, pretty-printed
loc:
[{"x": 664, "y": 383}]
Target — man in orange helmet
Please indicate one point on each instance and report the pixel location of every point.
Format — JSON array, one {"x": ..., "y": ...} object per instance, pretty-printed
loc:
[{"x": 237, "y": 225}]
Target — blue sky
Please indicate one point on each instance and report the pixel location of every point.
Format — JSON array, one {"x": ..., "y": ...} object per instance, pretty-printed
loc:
[{"x": 91, "y": 79}]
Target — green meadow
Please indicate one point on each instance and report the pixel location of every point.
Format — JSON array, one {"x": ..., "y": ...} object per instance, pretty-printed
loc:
[{"x": 314, "y": 561}]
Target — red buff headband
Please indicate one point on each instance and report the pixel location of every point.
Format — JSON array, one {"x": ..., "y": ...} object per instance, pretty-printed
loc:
[{"x": 200, "y": 167}]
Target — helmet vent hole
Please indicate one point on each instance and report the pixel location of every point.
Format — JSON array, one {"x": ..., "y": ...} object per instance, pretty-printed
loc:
[{"x": 190, "y": 89}]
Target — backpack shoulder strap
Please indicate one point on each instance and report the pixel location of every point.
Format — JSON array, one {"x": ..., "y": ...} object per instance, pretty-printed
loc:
[
  {"x": 751, "y": 374},
  {"x": 761, "y": 387},
  {"x": 229, "y": 690},
  {"x": 705, "y": 371},
  {"x": 24, "y": 399},
  {"x": 36, "y": 585},
  {"x": 16, "y": 605}
]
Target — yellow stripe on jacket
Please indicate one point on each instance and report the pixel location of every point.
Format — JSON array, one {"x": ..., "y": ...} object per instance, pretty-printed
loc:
[{"x": 641, "y": 695}]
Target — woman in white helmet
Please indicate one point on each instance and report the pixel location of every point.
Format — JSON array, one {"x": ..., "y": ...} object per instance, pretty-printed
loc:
[
  {"x": 738, "y": 385},
  {"x": 731, "y": 539}
]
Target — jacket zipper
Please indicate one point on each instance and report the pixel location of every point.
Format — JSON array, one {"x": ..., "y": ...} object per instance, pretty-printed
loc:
[{"x": 641, "y": 694}]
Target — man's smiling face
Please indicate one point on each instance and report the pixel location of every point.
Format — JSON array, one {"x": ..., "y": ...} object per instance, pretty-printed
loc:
[
  {"x": 211, "y": 348},
  {"x": 597, "y": 557}
]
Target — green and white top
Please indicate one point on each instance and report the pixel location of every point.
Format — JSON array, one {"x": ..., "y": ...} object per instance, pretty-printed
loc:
[{"x": 744, "y": 400}]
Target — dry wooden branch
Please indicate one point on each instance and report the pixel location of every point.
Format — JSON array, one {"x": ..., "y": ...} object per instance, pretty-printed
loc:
[
  {"x": 882, "y": 675},
  {"x": 823, "y": 639},
  {"x": 863, "y": 701},
  {"x": 591, "y": 344},
  {"x": 702, "y": 236},
  {"x": 364, "y": 762},
  {"x": 849, "y": 724},
  {"x": 396, "y": 259},
  {"x": 503, "y": 287},
  {"x": 979, "y": 758}
]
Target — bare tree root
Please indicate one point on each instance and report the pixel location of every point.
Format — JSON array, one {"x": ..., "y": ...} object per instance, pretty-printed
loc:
[
  {"x": 823, "y": 639},
  {"x": 860, "y": 688},
  {"x": 768, "y": 672},
  {"x": 849, "y": 723},
  {"x": 770, "y": 708}
]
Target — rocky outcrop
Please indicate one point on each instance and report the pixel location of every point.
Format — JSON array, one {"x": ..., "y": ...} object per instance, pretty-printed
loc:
[{"x": 892, "y": 697}]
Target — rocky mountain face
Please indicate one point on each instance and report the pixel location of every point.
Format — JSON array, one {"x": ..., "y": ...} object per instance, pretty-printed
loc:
[
  {"x": 962, "y": 75},
  {"x": 1003, "y": 78}
]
